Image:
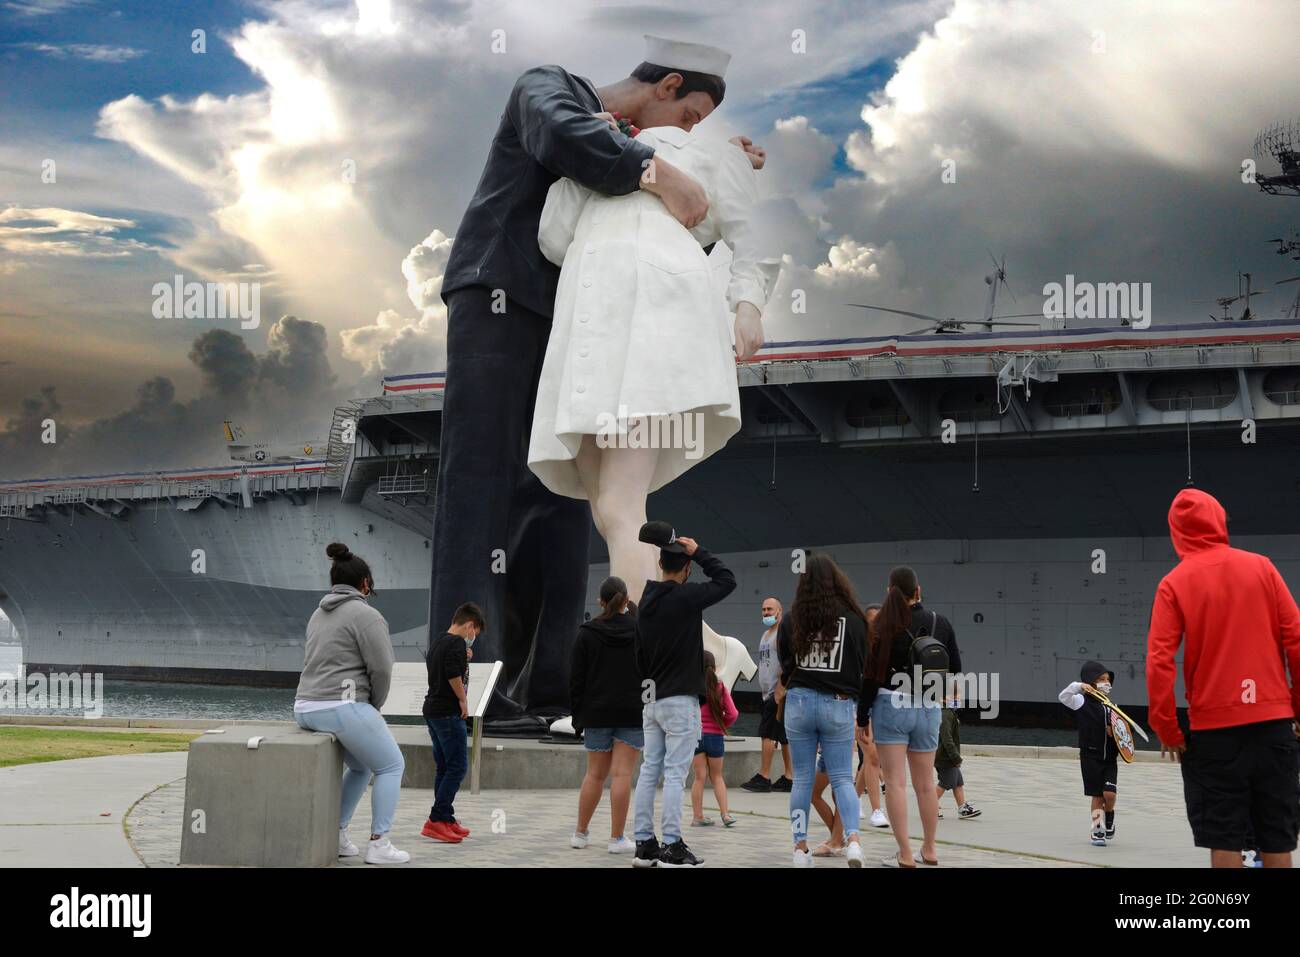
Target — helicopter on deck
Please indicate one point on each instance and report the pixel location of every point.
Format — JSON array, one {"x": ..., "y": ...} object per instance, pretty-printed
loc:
[{"x": 996, "y": 279}]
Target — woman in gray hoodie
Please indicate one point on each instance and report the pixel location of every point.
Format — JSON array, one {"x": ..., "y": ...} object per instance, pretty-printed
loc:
[{"x": 345, "y": 678}]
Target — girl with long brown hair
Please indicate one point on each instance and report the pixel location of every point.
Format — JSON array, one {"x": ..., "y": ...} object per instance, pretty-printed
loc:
[
  {"x": 717, "y": 714},
  {"x": 822, "y": 646}
]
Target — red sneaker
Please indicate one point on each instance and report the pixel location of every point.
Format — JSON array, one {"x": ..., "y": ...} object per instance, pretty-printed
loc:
[
  {"x": 441, "y": 831},
  {"x": 459, "y": 828}
]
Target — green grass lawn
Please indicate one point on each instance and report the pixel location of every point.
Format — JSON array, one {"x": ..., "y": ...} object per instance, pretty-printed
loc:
[{"x": 21, "y": 745}]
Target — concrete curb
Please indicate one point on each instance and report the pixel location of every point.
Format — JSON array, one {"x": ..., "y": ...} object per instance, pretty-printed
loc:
[{"x": 414, "y": 739}]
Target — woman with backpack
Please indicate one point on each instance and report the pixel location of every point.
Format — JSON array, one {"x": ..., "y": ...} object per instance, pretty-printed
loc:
[
  {"x": 909, "y": 642},
  {"x": 822, "y": 647}
]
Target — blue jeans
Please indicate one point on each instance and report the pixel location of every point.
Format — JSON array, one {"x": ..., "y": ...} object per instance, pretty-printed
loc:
[
  {"x": 672, "y": 729},
  {"x": 813, "y": 718},
  {"x": 368, "y": 748},
  {"x": 451, "y": 754}
]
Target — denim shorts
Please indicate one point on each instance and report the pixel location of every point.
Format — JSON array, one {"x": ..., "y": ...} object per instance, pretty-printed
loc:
[
  {"x": 712, "y": 745},
  {"x": 896, "y": 720},
  {"x": 602, "y": 739}
]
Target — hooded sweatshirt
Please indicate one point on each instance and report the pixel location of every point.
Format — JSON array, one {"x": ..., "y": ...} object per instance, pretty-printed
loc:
[
  {"x": 348, "y": 655},
  {"x": 604, "y": 681},
  {"x": 670, "y": 628},
  {"x": 1240, "y": 623}
]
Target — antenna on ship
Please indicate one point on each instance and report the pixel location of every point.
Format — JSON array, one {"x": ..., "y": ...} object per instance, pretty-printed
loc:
[
  {"x": 1288, "y": 244},
  {"x": 1226, "y": 301},
  {"x": 999, "y": 278},
  {"x": 1293, "y": 311},
  {"x": 1281, "y": 142}
]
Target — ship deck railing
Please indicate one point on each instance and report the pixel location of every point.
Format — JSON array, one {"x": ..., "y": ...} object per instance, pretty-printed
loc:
[{"x": 185, "y": 487}]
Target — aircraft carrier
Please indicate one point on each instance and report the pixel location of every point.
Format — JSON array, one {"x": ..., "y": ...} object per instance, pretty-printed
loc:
[{"x": 1026, "y": 475}]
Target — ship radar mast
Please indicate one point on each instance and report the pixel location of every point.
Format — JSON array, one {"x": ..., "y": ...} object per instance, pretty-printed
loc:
[{"x": 1281, "y": 142}]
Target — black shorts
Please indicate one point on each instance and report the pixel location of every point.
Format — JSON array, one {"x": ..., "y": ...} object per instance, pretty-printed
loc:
[
  {"x": 1099, "y": 774},
  {"x": 769, "y": 725},
  {"x": 1241, "y": 780}
]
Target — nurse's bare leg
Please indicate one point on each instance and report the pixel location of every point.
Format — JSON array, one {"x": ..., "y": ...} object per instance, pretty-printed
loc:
[
  {"x": 625, "y": 476},
  {"x": 587, "y": 462}
]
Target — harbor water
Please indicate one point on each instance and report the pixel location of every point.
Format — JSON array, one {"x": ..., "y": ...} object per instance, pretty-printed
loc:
[{"x": 148, "y": 699}]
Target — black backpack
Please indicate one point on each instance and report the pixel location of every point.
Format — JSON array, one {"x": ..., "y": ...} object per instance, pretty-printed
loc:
[{"x": 926, "y": 651}]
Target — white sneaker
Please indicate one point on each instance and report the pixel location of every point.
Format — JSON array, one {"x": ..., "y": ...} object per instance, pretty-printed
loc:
[
  {"x": 383, "y": 852},
  {"x": 346, "y": 847},
  {"x": 854, "y": 854},
  {"x": 579, "y": 840},
  {"x": 802, "y": 858},
  {"x": 623, "y": 845},
  {"x": 878, "y": 818}
]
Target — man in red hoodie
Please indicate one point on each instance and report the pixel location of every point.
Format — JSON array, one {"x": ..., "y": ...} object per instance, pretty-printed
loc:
[{"x": 1241, "y": 761}]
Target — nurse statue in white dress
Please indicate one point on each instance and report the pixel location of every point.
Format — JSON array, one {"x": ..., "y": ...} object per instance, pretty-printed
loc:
[{"x": 639, "y": 379}]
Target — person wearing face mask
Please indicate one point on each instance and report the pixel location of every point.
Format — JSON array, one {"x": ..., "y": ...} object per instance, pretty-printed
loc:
[
  {"x": 770, "y": 729},
  {"x": 346, "y": 673},
  {"x": 1098, "y": 756},
  {"x": 446, "y": 709}
]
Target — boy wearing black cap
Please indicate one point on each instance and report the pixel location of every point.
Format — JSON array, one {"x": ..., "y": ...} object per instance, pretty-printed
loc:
[
  {"x": 1098, "y": 756},
  {"x": 670, "y": 654}
]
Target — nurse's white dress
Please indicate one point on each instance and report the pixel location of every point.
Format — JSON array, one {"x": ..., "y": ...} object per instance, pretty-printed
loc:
[{"x": 639, "y": 329}]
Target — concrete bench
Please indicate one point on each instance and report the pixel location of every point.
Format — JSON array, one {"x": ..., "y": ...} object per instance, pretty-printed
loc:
[{"x": 262, "y": 797}]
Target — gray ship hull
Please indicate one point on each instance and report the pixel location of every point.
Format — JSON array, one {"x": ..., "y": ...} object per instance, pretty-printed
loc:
[
  {"x": 119, "y": 595},
  {"x": 1013, "y": 571}
]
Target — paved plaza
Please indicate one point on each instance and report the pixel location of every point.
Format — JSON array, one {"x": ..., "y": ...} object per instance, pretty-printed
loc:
[
  {"x": 1034, "y": 816},
  {"x": 127, "y": 811}
]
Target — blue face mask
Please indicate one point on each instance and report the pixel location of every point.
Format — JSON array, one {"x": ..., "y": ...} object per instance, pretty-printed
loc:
[
  {"x": 469, "y": 642},
  {"x": 769, "y": 620}
]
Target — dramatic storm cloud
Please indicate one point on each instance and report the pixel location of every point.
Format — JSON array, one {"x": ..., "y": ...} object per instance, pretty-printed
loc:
[
  {"x": 327, "y": 150},
  {"x": 159, "y": 430}
]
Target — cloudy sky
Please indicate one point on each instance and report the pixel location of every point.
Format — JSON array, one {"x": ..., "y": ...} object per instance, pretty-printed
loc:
[{"x": 325, "y": 150}]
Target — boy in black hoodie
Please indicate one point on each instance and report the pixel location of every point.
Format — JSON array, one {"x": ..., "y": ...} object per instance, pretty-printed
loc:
[
  {"x": 1098, "y": 756},
  {"x": 670, "y": 654}
]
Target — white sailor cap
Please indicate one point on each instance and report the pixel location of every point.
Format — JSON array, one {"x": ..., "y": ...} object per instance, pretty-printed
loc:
[{"x": 680, "y": 55}]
